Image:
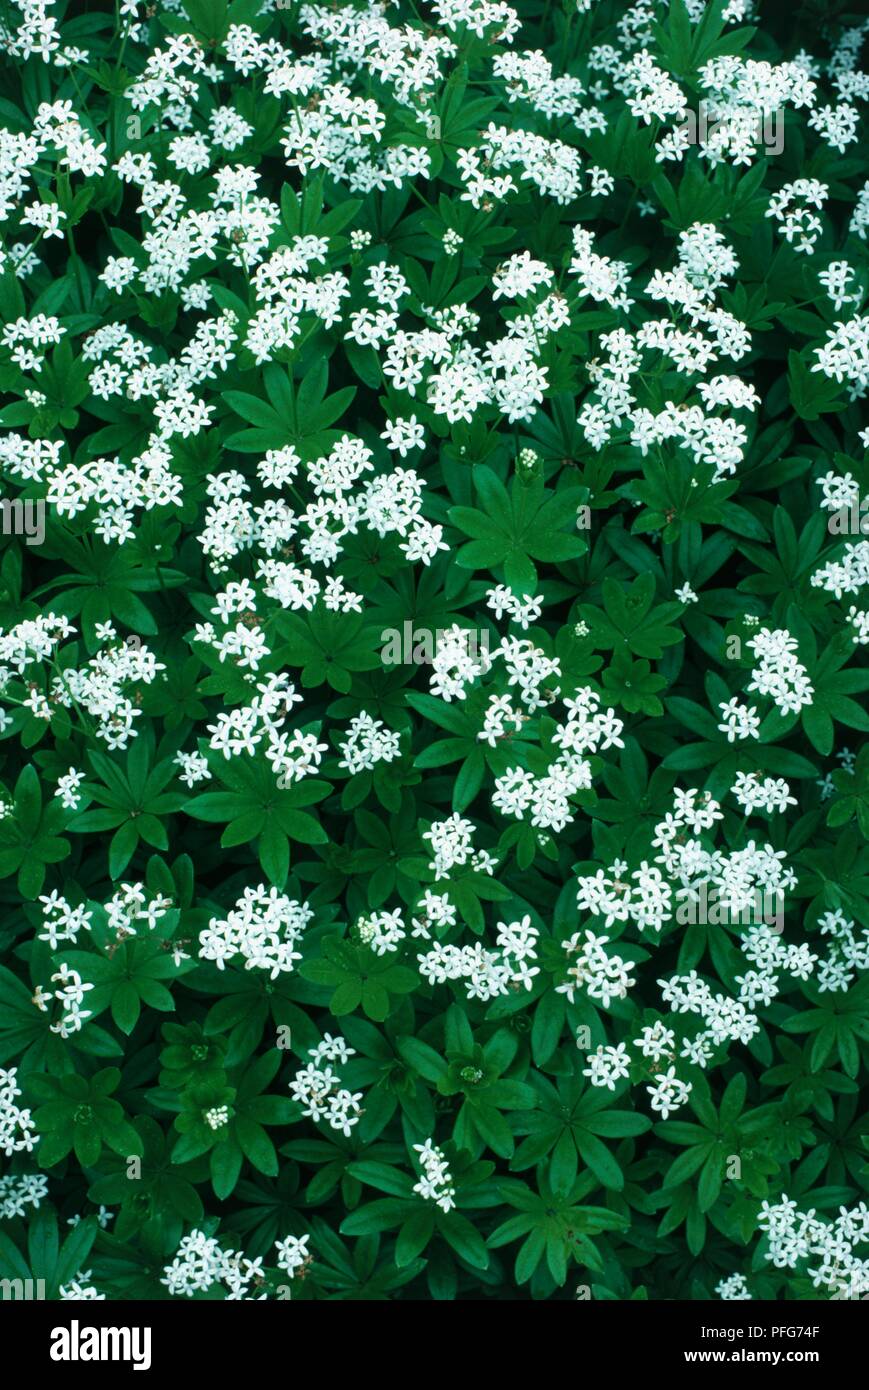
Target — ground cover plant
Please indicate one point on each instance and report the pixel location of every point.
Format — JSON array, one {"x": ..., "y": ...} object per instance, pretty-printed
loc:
[{"x": 433, "y": 670}]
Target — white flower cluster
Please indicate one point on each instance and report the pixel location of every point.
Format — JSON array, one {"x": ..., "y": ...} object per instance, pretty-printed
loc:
[
  {"x": 586, "y": 731},
  {"x": 847, "y": 574},
  {"x": 725, "y": 1020},
  {"x": 318, "y": 1088},
  {"x": 32, "y": 641},
  {"x": 70, "y": 993},
  {"x": 695, "y": 335},
  {"x": 740, "y": 97},
  {"x": 764, "y": 948},
  {"x": 68, "y": 789},
  {"x": 456, "y": 663},
  {"x": 117, "y": 489},
  {"x": 293, "y": 1254},
  {"x": 844, "y": 356},
  {"x": 599, "y": 277},
  {"x": 668, "y": 1093},
  {"x": 779, "y": 672},
  {"x": 838, "y": 490},
  {"x": 435, "y": 1185},
  {"x": 264, "y": 928},
  {"x": 604, "y": 977},
  {"x": 792, "y": 205},
  {"x": 367, "y": 743},
  {"x": 733, "y": 1288},
  {"x": 486, "y": 973},
  {"x": 533, "y": 678},
  {"x": 488, "y": 169},
  {"x": 756, "y": 793},
  {"x": 797, "y": 1238},
  {"x": 200, "y": 1262},
  {"x": 651, "y": 93},
  {"x": 841, "y": 284},
  {"x": 133, "y": 909},
  {"x": 30, "y": 339},
  {"x": 607, "y": 1065},
  {"x": 20, "y": 1191},
  {"x": 739, "y": 884},
  {"x": 79, "y": 1289},
  {"x": 739, "y": 722},
  {"x": 96, "y": 689},
  {"x": 340, "y": 501},
  {"x": 17, "y": 1130},
  {"x": 522, "y": 611},
  {"x": 382, "y": 931},
  {"x": 61, "y": 921},
  {"x": 501, "y": 720},
  {"x": 259, "y": 725},
  {"x": 433, "y": 910},
  {"x": 860, "y": 623},
  {"x": 339, "y": 133},
  {"x": 847, "y": 955},
  {"x": 452, "y": 846},
  {"x": 647, "y": 899},
  {"x": 526, "y": 665},
  {"x": 528, "y": 77}
]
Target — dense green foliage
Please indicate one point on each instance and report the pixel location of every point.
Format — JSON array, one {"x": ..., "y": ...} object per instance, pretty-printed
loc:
[{"x": 433, "y": 621}]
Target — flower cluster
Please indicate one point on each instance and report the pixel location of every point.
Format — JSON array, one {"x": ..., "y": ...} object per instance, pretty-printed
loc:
[
  {"x": 264, "y": 928},
  {"x": 801, "y": 1238},
  {"x": 317, "y": 1087},
  {"x": 17, "y": 1129},
  {"x": 435, "y": 1183}
]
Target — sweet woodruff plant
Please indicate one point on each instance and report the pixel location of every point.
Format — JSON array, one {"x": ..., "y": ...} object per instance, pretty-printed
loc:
[{"x": 433, "y": 800}]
